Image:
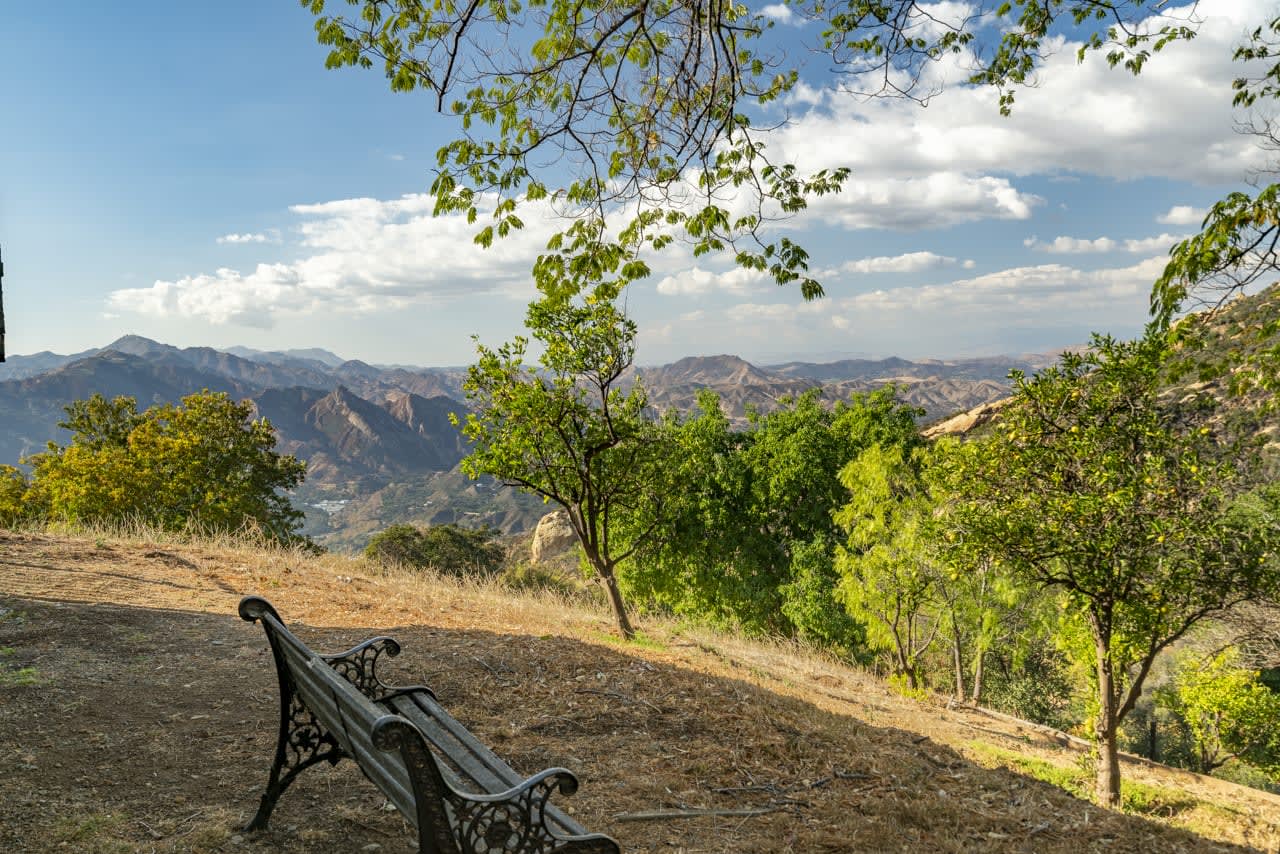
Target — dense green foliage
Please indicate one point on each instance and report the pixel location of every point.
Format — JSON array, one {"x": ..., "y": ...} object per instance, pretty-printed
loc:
[
  {"x": 1229, "y": 712},
  {"x": 450, "y": 549},
  {"x": 567, "y": 431},
  {"x": 202, "y": 464},
  {"x": 890, "y": 566},
  {"x": 1129, "y": 506},
  {"x": 744, "y": 534}
]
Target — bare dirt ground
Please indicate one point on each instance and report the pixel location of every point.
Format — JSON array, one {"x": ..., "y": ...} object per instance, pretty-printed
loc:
[{"x": 138, "y": 713}]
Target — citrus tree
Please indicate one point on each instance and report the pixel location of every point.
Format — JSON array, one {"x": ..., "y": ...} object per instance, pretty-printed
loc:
[
  {"x": 569, "y": 429},
  {"x": 1137, "y": 510}
]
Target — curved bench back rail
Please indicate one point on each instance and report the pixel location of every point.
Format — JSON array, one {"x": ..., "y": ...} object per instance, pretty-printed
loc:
[{"x": 460, "y": 797}]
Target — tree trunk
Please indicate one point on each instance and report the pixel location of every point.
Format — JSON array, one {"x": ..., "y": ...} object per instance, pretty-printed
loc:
[
  {"x": 958, "y": 660},
  {"x": 615, "y": 599},
  {"x": 1107, "y": 786},
  {"x": 979, "y": 667},
  {"x": 904, "y": 663},
  {"x": 604, "y": 571}
]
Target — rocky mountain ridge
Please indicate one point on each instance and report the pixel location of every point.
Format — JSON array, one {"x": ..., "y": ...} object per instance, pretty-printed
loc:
[{"x": 378, "y": 440}]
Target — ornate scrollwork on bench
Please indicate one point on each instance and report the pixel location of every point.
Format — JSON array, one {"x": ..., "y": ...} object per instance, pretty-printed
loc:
[
  {"x": 359, "y": 665},
  {"x": 513, "y": 823},
  {"x": 510, "y": 822}
]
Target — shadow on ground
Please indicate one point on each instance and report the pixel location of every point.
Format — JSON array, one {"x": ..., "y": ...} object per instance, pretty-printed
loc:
[{"x": 144, "y": 729}]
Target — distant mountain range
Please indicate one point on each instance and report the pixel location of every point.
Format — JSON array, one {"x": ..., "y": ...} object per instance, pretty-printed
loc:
[
  {"x": 352, "y": 421},
  {"x": 378, "y": 440},
  {"x": 939, "y": 388}
]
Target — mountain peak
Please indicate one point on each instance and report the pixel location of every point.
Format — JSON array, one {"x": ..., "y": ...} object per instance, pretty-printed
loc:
[{"x": 137, "y": 345}]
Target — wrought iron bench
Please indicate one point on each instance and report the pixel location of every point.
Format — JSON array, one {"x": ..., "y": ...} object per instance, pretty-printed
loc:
[{"x": 459, "y": 795}]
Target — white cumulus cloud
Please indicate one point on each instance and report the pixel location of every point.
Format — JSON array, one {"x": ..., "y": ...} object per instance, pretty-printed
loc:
[
  {"x": 1182, "y": 215},
  {"x": 697, "y": 282},
  {"x": 910, "y": 262},
  {"x": 959, "y": 160},
  {"x": 935, "y": 200},
  {"x": 782, "y": 13},
  {"x": 362, "y": 255}
]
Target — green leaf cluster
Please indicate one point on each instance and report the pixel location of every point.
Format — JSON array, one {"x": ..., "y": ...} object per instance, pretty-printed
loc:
[
  {"x": 1231, "y": 714},
  {"x": 745, "y": 530}
]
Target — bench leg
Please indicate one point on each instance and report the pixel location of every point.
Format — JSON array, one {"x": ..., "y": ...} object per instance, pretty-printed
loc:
[{"x": 302, "y": 742}]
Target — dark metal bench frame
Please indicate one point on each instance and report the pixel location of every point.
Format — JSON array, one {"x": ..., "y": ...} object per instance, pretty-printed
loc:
[{"x": 460, "y": 796}]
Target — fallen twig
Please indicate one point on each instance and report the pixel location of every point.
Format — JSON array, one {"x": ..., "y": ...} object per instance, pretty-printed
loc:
[
  {"x": 623, "y": 697},
  {"x": 654, "y": 815}
]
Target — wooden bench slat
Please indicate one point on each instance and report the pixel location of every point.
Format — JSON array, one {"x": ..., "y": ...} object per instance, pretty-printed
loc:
[
  {"x": 487, "y": 771},
  {"x": 476, "y": 762},
  {"x": 386, "y": 770}
]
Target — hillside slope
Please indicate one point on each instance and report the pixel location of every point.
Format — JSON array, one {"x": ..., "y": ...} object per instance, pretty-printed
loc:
[{"x": 138, "y": 714}]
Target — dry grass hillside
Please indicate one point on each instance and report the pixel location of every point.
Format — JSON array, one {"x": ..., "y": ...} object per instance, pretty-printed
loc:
[{"x": 137, "y": 713}]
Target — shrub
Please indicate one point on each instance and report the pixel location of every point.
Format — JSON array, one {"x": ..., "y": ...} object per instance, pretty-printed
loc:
[{"x": 450, "y": 549}]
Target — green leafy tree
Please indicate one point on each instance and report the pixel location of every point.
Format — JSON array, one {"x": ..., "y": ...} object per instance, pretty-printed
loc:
[
  {"x": 449, "y": 548},
  {"x": 1097, "y": 487},
  {"x": 702, "y": 561},
  {"x": 889, "y": 566},
  {"x": 905, "y": 573},
  {"x": 205, "y": 463},
  {"x": 568, "y": 430},
  {"x": 660, "y": 109},
  {"x": 399, "y": 545},
  {"x": 1230, "y": 712}
]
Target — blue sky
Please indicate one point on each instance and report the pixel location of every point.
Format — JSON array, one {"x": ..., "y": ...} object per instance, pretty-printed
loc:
[{"x": 194, "y": 174}]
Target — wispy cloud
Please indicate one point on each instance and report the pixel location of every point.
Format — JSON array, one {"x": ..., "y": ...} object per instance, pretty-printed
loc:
[
  {"x": 952, "y": 316},
  {"x": 269, "y": 236},
  {"x": 1080, "y": 246}
]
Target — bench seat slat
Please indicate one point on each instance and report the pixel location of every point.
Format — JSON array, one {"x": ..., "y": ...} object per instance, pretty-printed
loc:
[
  {"x": 480, "y": 767},
  {"x": 477, "y": 763}
]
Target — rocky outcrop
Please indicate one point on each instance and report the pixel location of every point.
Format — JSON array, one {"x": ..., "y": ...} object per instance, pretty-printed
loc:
[
  {"x": 553, "y": 536},
  {"x": 967, "y": 422}
]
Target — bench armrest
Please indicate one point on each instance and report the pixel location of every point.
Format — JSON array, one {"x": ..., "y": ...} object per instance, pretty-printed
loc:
[
  {"x": 359, "y": 666},
  {"x": 490, "y": 822}
]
